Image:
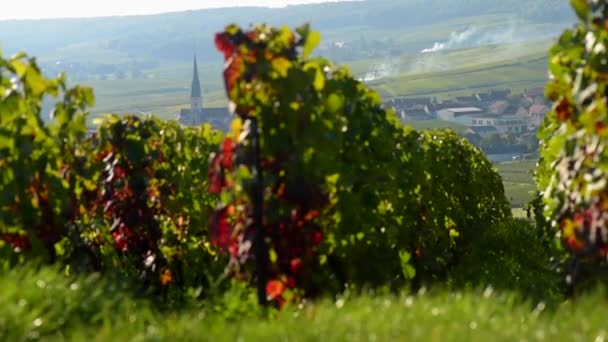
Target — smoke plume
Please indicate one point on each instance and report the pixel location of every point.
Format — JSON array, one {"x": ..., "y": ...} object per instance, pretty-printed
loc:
[{"x": 456, "y": 39}]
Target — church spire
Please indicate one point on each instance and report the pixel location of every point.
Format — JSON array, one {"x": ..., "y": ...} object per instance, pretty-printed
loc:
[{"x": 195, "y": 95}]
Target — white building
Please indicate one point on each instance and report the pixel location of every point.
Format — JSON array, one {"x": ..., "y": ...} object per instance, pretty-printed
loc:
[
  {"x": 504, "y": 124},
  {"x": 451, "y": 114}
]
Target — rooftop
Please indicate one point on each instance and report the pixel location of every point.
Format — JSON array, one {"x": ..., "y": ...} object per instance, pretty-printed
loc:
[{"x": 464, "y": 110}]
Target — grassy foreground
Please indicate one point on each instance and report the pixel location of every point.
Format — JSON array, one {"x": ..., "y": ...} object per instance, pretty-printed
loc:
[{"x": 47, "y": 305}]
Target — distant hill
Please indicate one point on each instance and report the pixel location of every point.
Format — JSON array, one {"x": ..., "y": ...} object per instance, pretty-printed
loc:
[
  {"x": 144, "y": 63},
  {"x": 173, "y": 36}
]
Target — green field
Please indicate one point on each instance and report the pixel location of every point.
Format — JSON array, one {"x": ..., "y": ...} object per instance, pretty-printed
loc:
[
  {"x": 518, "y": 181},
  {"x": 462, "y": 78},
  {"x": 163, "y": 92},
  {"x": 167, "y": 89}
]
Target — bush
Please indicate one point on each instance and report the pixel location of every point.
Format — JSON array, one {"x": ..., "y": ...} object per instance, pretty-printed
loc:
[
  {"x": 349, "y": 195},
  {"x": 149, "y": 210},
  {"x": 129, "y": 198},
  {"x": 509, "y": 257},
  {"x": 387, "y": 203},
  {"x": 37, "y": 190},
  {"x": 572, "y": 173}
]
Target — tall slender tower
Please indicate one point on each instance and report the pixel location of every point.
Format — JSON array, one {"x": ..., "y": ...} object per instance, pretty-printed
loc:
[{"x": 196, "y": 100}]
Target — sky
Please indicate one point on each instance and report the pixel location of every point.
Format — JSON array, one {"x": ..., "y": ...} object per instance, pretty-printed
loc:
[{"x": 37, "y": 9}]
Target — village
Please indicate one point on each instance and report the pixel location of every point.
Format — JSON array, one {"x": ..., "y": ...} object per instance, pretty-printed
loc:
[{"x": 499, "y": 122}]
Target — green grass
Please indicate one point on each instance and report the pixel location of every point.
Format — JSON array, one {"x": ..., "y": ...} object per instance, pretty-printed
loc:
[
  {"x": 49, "y": 306},
  {"x": 518, "y": 181},
  {"x": 519, "y": 194},
  {"x": 163, "y": 92},
  {"x": 465, "y": 78}
]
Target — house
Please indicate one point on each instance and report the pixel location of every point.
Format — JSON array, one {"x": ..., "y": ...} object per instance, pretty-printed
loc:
[
  {"x": 451, "y": 114},
  {"x": 415, "y": 115},
  {"x": 535, "y": 96},
  {"x": 537, "y": 114},
  {"x": 522, "y": 112},
  {"x": 499, "y": 107},
  {"x": 504, "y": 124},
  {"x": 218, "y": 117}
]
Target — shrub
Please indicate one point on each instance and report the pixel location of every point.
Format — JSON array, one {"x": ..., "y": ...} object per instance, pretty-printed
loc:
[
  {"x": 129, "y": 198},
  {"x": 150, "y": 203},
  {"x": 444, "y": 193},
  {"x": 349, "y": 195},
  {"x": 572, "y": 172},
  {"x": 510, "y": 257},
  {"x": 38, "y": 190}
]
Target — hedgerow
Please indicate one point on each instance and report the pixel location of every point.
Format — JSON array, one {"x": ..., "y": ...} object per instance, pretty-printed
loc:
[
  {"x": 151, "y": 193},
  {"x": 37, "y": 190},
  {"x": 130, "y": 197},
  {"x": 349, "y": 196},
  {"x": 345, "y": 195}
]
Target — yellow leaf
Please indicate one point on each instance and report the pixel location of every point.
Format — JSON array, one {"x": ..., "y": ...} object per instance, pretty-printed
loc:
[
  {"x": 98, "y": 121},
  {"x": 319, "y": 82},
  {"x": 273, "y": 256},
  {"x": 281, "y": 65},
  {"x": 236, "y": 126},
  {"x": 568, "y": 228},
  {"x": 314, "y": 38}
]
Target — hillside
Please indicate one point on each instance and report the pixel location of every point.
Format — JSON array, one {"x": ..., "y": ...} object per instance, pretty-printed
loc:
[
  {"x": 513, "y": 66},
  {"x": 143, "y": 63},
  {"x": 175, "y": 35}
]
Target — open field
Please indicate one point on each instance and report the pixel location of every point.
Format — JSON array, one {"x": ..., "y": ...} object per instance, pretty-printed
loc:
[
  {"x": 515, "y": 74},
  {"x": 163, "y": 92},
  {"x": 518, "y": 181},
  {"x": 166, "y": 89}
]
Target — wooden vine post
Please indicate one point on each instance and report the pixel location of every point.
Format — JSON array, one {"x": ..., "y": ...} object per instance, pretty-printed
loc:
[
  {"x": 270, "y": 201},
  {"x": 260, "y": 247}
]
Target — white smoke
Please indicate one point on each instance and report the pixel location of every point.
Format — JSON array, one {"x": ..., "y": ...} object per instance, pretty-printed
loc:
[
  {"x": 379, "y": 71},
  {"x": 511, "y": 32},
  {"x": 456, "y": 39}
]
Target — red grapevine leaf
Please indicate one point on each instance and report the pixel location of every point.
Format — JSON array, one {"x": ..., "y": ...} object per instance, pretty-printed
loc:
[
  {"x": 224, "y": 44},
  {"x": 232, "y": 72},
  {"x": 274, "y": 289}
]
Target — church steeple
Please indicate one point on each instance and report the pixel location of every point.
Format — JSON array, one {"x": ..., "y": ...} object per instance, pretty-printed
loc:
[{"x": 196, "y": 99}]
